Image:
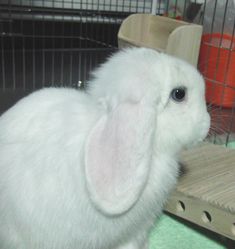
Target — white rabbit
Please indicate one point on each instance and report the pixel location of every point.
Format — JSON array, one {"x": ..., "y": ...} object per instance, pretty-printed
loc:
[{"x": 93, "y": 169}]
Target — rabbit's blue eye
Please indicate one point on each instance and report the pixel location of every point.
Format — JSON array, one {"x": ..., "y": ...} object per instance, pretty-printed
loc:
[{"x": 178, "y": 94}]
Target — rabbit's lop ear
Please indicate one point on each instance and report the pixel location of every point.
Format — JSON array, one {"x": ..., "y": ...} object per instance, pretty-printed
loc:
[{"x": 117, "y": 157}]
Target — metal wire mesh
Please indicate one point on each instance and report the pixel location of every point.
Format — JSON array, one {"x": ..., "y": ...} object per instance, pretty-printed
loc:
[
  {"x": 217, "y": 66},
  {"x": 58, "y": 42}
]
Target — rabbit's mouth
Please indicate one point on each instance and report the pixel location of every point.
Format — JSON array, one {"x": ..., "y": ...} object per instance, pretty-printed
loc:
[
  {"x": 201, "y": 135},
  {"x": 205, "y": 128}
]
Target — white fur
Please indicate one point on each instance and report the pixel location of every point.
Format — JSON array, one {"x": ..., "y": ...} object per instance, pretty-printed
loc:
[{"x": 44, "y": 199}]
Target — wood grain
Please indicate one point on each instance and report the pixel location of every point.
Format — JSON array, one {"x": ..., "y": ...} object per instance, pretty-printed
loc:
[
  {"x": 174, "y": 37},
  {"x": 207, "y": 189}
]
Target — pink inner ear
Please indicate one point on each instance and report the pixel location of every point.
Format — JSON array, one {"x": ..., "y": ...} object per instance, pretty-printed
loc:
[
  {"x": 111, "y": 150},
  {"x": 116, "y": 159}
]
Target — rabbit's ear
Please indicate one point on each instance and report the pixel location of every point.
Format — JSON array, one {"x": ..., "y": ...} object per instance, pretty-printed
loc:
[{"x": 117, "y": 157}]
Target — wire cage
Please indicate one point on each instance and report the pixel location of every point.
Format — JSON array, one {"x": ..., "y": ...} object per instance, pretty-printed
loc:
[
  {"x": 217, "y": 63},
  {"x": 58, "y": 42}
]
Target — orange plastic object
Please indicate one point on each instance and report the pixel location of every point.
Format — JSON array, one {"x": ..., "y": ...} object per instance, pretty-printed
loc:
[{"x": 217, "y": 64}]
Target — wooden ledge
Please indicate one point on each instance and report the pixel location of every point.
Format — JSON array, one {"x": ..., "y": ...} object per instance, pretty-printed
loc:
[{"x": 205, "y": 194}]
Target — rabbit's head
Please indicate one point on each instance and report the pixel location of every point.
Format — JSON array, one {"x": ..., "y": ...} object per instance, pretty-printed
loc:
[{"x": 153, "y": 103}]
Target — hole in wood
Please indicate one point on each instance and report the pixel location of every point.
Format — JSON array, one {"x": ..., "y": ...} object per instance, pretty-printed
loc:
[
  {"x": 180, "y": 206},
  {"x": 206, "y": 217},
  {"x": 233, "y": 229}
]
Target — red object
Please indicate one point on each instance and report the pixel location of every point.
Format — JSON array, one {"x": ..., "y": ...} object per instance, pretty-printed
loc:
[{"x": 217, "y": 65}]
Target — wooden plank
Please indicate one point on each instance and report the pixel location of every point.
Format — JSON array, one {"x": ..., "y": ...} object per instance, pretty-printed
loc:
[
  {"x": 174, "y": 37},
  {"x": 205, "y": 193},
  {"x": 188, "y": 40}
]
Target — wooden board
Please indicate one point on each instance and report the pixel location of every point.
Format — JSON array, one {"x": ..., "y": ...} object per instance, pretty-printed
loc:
[
  {"x": 174, "y": 37},
  {"x": 205, "y": 193}
]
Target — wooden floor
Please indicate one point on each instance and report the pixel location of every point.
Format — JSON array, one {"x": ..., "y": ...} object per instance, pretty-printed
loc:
[{"x": 205, "y": 193}]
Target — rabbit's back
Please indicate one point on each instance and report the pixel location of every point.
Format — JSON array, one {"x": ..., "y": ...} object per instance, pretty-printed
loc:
[
  {"x": 41, "y": 142},
  {"x": 47, "y": 113}
]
